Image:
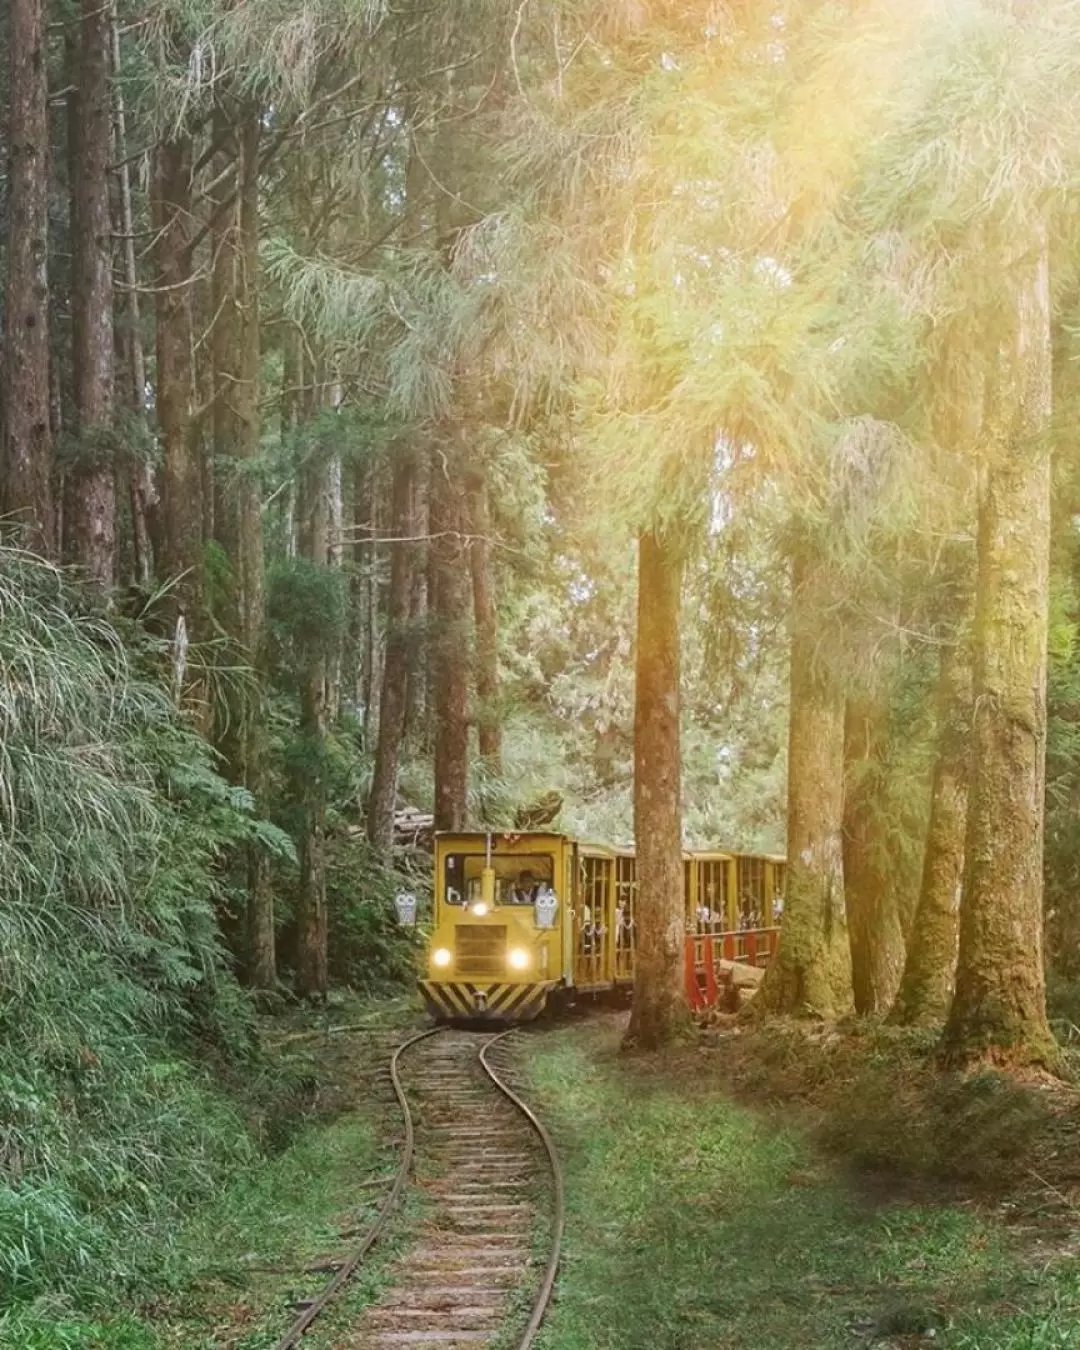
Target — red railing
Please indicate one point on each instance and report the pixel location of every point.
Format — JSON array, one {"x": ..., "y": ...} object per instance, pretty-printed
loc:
[{"x": 751, "y": 947}]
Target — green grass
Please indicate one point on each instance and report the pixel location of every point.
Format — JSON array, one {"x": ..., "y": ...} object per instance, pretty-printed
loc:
[
  {"x": 238, "y": 1264},
  {"x": 697, "y": 1224}
]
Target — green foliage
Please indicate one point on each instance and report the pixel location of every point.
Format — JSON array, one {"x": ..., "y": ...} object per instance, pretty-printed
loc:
[
  {"x": 369, "y": 950},
  {"x": 115, "y": 981},
  {"x": 275, "y": 1215},
  {"x": 305, "y": 610}
]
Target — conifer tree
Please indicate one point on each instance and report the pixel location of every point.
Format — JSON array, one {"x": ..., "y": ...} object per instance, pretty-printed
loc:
[
  {"x": 27, "y": 444},
  {"x": 90, "y": 496},
  {"x": 659, "y": 1008},
  {"x": 926, "y": 987}
]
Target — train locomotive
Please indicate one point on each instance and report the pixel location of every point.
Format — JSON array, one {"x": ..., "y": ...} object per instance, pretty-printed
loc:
[{"x": 522, "y": 917}]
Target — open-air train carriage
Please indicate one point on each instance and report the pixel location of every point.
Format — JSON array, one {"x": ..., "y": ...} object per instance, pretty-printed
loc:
[{"x": 518, "y": 916}]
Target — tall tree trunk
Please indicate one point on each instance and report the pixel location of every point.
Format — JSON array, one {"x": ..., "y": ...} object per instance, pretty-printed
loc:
[
  {"x": 430, "y": 672},
  {"x": 27, "y": 445},
  {"x": 489, "y": 727},
  {"x": 659, "y": 1007},
  {"x": 360, "y": 549},
  {"x": 236, "y": 349},
  {"x": 392, "y": 703},
  {"x": 998, "y": 1012},
  {"x": 134, "y": 345},
  {"x": 141, "y": 486},
  {"x": 90, "y": 505},
  {"x": 335, "y": 523},
  {"x": 451, "y": 647},
  {"x": 415, "y": 711},
  {"x": 292, "y": 375},
  {"x": 874, "y": 929},
  {"x": 930, "y": 968},
  {"x": 811, "y": 973},
  {"x": 311, "y": 976},
  {"x": 261, "y": 965},
  {"x": 366, "y": 513},
  {"x": 182, "y": 471}
]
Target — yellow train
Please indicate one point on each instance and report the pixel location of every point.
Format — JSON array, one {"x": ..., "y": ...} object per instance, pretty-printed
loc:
[{"x": 520, "y": 916}]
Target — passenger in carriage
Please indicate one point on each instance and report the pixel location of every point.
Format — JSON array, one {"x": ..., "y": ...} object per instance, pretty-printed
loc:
[
  {"x": 624, "y": 927},
  {"x": 749, "y": 915},
  {"x": 589, "y": 932}
]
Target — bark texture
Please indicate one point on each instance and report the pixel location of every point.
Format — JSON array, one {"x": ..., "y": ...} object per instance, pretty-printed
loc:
[
  {"x": 235, "y": 342},
  {"x": 311, "y": 917},
  {"x": 659, "y": 1007},
  {"x": 90, "y": 486},
  {"x": 182, "y": 470},
  {"x": 395, "y": 681},
  {"x": 930, "y": 967},
  {"x": 27, "y": 445},
  {"x": 415, "y": 708},
  {"x": 485, "y": 616},
  {"x": 998, "y": 1012},
  {"x": 811, "y": 973},
  {"x": 141, "y": 486},
  {"x": 874, "y": 929},
  {"x": 451, "y": 649}
]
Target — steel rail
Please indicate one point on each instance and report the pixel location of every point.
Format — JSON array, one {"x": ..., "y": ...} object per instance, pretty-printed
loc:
[
  {"x": 316, "y": 1306},
  {"x": 547, "y": 1288}
]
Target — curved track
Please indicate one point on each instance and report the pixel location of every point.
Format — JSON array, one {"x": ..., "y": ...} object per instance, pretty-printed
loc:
[{"x": 478, "y": 1155}]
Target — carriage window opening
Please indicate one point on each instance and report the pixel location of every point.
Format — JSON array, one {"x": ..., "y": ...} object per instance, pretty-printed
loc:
[
  {"x": 752, "y": 899},
  {"x": 518, "y": 877}
]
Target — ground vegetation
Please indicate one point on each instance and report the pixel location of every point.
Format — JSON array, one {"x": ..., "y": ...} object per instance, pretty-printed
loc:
[{"x": 654, "y": 415}]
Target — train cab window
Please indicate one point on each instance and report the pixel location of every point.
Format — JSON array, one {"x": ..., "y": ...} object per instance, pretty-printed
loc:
[{"x": 518, "y": 877}]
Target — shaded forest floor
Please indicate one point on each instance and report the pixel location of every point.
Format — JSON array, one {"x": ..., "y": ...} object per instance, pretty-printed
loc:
[
  {"x": 763, "y": 1189},
  {"x": 232, "y": 1273},
  {"x": 769, "y": 1189}
]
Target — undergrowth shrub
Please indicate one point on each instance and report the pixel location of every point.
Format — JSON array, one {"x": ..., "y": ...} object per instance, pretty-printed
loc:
[
  {"x": 880, "y": 1101},
  {"x": 118, "y": 1010},
  {"x": 369, "y": 950}
]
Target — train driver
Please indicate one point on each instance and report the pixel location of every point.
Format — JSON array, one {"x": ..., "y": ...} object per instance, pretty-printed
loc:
[{"x": 524, "y": 891}]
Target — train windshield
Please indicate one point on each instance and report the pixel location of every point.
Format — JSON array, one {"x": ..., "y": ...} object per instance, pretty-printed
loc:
[{"x": 518, "y": 877}]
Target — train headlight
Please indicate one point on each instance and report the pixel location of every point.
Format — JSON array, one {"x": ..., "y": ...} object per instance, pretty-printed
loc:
[
  {"x": 479, "y": 909},
  {"x": 518, "y": 958},
  {"x": 441, "y": 956}
]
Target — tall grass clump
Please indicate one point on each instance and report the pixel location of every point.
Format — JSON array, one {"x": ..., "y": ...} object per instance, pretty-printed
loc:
[{"x": 116, "y": 1002}]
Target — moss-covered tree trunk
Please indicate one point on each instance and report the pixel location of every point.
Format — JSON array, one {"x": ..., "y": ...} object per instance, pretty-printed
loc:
[
  {"x": 27, "y": 445},
  {"x": 659, "y": 1008},
  {"x": 930, "y": 968},
  {"x": 811, "y": 973},
  {"x": 998, "y": 1012},
  {"x": 451, "y": 648},
  {"x": 395, "y": 678},
  {"x": 874, "y": 929},
  {"x": 90, "y": 485}
]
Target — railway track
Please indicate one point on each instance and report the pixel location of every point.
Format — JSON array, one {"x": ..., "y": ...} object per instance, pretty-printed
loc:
[{"x": 475, "y": 1153}]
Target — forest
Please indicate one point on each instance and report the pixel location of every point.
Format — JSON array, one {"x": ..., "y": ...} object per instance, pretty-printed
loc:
[{"x": 645, "y": 419}]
